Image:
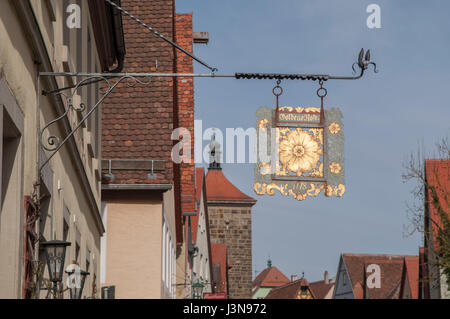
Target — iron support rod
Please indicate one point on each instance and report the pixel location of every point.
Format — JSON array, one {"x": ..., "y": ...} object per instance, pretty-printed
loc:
[
  {"x": 239, "y": 76},
  {"x": 136, "y": 75},
  {"x": 161, "y": 36}
]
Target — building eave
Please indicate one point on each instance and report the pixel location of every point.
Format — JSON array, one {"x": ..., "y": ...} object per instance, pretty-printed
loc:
[
  {"x": 161, "y": 187},
  {"x": 231, "y": 203}
]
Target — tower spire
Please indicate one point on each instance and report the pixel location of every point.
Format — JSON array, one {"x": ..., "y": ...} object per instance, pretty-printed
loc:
[{"x": 214, "y": 154}]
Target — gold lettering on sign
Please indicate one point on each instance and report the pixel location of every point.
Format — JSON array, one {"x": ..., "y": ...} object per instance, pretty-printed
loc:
[{"x": 299, "y": 117}]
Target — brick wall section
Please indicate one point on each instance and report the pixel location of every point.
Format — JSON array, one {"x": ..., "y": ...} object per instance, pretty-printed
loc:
[
  {"x": 137, "y": 122},
  {"x": 185, "y": 98},
  {"x": 233, "y": 226}
]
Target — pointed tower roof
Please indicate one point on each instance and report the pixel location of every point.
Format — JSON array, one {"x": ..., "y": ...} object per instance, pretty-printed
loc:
[{"x": 220, "y": 189}]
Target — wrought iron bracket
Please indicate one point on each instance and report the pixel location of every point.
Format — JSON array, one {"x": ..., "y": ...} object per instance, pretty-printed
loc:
[{"x": 53, "y": 143}]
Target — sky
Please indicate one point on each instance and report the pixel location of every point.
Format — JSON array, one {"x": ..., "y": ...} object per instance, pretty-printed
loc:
[{"x": 386, "y": 115}]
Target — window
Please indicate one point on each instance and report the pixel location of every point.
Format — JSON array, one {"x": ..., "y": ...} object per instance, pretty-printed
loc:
[
  {"x": 304, "y": 290},
  {"x": 66, "y": 223},
  {"x": 344, "y": 279},
  {"x": 88, "y": 259},
  {"x": 168, "y": 261},
  {"x": 11, "y": 194},
  {"x": 164, "y": 255},
  {"x": 77, "y": 246},
  {"x": 77, "y": 253}
]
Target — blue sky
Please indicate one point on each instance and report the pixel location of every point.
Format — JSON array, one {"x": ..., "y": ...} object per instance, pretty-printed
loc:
[{"x": 386, "y": 115}]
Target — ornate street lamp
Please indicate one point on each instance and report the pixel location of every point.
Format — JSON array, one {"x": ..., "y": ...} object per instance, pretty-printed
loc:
[
  {"x": 76, "y": 291},
  {"x": 55, "y": 254},
  {"x": 198, "y": 290}
]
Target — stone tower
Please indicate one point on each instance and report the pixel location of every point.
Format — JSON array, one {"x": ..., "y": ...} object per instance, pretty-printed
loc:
[{"x": 230, "y": 222}]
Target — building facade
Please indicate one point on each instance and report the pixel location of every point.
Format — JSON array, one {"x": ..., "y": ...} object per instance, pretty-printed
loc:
[
  {"x": 230, "y": 218},
  {"x": 139, "y": 195},
  {"x": 36, "y": 36},
  {"x": 201, "y": 261},
  {"x": 146, "y": 195},
  {"x": 375, "y": 276}
]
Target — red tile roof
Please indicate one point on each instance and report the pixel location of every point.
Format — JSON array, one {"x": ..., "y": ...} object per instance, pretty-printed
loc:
[
  {"x": 221, "y": 189},
  {"x": 219, "y": 256},
  {"x": 137, "y": 122},
  {"x": 412, "y": 271},
  {"x": 391, "y": 267},
  {"x": 321, "y": 289},
  {"x": 270, "y": 277},
  {"x": 290, "y": 290},
  {"x": 358, "y": 291},
  {"x": 438, "y": 175}
]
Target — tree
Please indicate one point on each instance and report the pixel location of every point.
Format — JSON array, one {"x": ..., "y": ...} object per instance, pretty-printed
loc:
[{"x": 430, "y": 209}]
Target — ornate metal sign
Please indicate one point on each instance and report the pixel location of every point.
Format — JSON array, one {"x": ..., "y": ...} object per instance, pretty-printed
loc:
[{"x": 300, "y": 150}]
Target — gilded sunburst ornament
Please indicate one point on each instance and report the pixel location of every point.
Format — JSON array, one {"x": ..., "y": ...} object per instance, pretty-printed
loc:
[
  {"x": 299, "y": 152},
  {"x": 334, "y": 128}
]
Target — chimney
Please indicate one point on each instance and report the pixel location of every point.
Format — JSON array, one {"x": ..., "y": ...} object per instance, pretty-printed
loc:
[
  {"x": 201, "y": 37},
  {"x": 326, "y": 278},
  {"x": 294, "y": 278}
]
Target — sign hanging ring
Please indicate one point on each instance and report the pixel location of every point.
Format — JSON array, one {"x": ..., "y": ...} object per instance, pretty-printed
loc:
[
  {"x": 277, "y": 91},
  {"x": 322, "y": 92}
]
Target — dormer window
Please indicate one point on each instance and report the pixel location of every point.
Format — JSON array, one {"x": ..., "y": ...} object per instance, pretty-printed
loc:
[{"x": 304, "y": 290}]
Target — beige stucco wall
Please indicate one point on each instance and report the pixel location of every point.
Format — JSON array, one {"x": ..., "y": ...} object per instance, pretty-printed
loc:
[
  {"x": 133, "y": 258},
  {"x": 18, "y": 70}
]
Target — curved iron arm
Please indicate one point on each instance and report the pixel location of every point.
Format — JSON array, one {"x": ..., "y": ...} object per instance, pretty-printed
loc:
[{"x": 54, "y": 141}]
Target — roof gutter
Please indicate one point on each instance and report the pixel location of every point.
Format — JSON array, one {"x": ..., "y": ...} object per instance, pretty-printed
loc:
[{"x": 119, "y": 38}]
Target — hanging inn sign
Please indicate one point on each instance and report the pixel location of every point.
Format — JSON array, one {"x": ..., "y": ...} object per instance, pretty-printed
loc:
[{"x": 300, "y": 150}]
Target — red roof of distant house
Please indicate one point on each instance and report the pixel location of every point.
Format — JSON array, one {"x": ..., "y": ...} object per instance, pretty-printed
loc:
[
  {"x": 412, "y": 270},
  {"x": 290, "y": 290},
  {"x": 220, "y": 189},
  {"x": 391, "y": 267},
  {"x": 321, "y": 289},
  {"x": 270, "y": 277},
  {"x": 438, "y": 175},
  {"x": 219, "y": 256}
]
